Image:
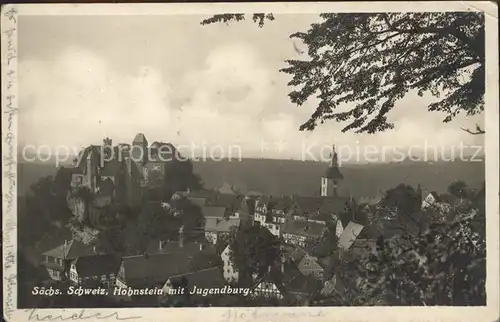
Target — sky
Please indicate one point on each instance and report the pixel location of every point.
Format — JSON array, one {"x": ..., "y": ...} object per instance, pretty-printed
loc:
[{"x": 84, "y": 78}]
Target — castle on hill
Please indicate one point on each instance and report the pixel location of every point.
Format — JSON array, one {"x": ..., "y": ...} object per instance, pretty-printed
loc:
[{"x": 121, "y": 173}]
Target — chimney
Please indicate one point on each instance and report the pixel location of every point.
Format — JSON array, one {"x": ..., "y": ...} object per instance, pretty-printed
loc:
[{"x": 201, "y": 247}]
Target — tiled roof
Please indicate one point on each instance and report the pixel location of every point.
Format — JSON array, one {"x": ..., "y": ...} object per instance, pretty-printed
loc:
[
  {"x": 356, "y": 216},
  {"x": 205, "y": 278},
  {"x": 154, "y": 269},
  {"x": 228, "y": 189},
  {"x": 369, "y": 232},
  {"x": 198, "y": 201},
  {"x": 247, "y": 206},
  {"x": 320, "y": 205},
  {"x": 282, "y": 203},
  {"x": 229, "y": 201},
  {"x": 223, "y": 225},
  {"x": 297, "y": 255},
  {"x": 304, "y": 228},
  {"x": 213, "y": 211},
  {"x": 349, "y": 234},
  {"x": 209, "y": 194},
  {"x": 73, "y": 249},
  {"x": 97, "y": 265},
  {"x": 335, "y": 284},
  {"x": 188, "y": 248}
]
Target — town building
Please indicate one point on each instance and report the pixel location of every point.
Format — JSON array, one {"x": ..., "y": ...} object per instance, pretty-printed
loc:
[
  {"x": 229, "y": 270},
  {"x": 331, "y": 177},
  {"x": 93, "y": 271},
  {"x": 302, "y": 233},
  {"x": 57, "y": 261},
  {"x": 197, "y": 281},
  {"x": 311, "y": 266},
  {"x": 217, "y": 227}
]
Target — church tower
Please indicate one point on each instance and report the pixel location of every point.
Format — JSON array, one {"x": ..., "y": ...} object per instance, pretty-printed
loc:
[{"x": 331, "y": 177}]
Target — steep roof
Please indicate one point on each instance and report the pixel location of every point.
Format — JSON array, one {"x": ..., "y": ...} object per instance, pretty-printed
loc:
[
  {"x": 320, "y": 205},
  {"x": 247, "y": 206},
  {"x": 97, "y": 265},
  {"x": 221, "y": 225},
  {"x": 188, "y": 248},
  {"x": 349, "y": 235},
  {"x": 369, "y": 232},
  {"x": 204, "y": 193},
  {"x": 229, "y": 201},
  {"x": 357, "y": 217},
  {"x": 198, "y": 201},
  {"x": 140, "y": 139},
  {"x": 304, "y": 228},
  {"x": 228, "y": 189},
  {"x": 297, "y": 255},
  {"x": 154, "y": 269},
  {"x": 333, "y": 285},
  {"x": 205, "y": 278},
  {"x": 333, "y": 173},
  {"x": 213, "y": 211},
  {"x": 72, "y": 249},
  {"x": 283, "y": 203}
]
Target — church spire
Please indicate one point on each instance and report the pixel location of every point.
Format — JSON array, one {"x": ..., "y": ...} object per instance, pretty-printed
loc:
[
  {"x": 333, "y": 158},
  {"x": 332, "y": 176}
]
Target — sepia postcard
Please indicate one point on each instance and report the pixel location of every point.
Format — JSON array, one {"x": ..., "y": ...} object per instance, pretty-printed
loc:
[{"x": 238, "y": 162}]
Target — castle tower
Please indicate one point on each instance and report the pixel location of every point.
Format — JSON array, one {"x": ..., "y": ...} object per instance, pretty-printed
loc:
[
  {"x": 139, "y": 150},
  {"x": 331, "y": 177}
]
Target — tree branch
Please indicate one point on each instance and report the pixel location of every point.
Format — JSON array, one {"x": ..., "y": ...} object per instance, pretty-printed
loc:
[{"x": 478, "y": 130}]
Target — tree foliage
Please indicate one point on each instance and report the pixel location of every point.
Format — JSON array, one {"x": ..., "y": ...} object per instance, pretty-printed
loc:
[
  {"x": 443, "y": 265},
  {"x": 258, "y": 18},
  {"x": 253, "y": 251},
  {"x": 458, "y": 189},
  {"x": 360, "y": 64}
]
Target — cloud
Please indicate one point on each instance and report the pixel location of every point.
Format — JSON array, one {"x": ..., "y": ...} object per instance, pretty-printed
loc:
[
  {"x": 233, "y": 98},
  {"x": 76, "y": 100}
]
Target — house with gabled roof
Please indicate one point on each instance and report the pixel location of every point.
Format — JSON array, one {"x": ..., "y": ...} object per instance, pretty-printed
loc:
[
  {"x": 319, "y": 209},
  {"x": 151, "y": 270},
  {"x": 268, "y": 286},
  {"x": 333, "y": 286},
  {"x": 302, "y": 233},
  {"x": 213, "y": 212},
  {"x": 57, "y": 261},
  {"x": 271, "y": 213},
  {"x": 311, "y": 266},
  {"x": 216, "y": 227},
  {"x": 349, "y": 235},
  {"x": 226, "y": 188},
  {"x": 93, "y": 271},
  {"x": 208, "y": 278},
  {"x": 346, "y": 217}
]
